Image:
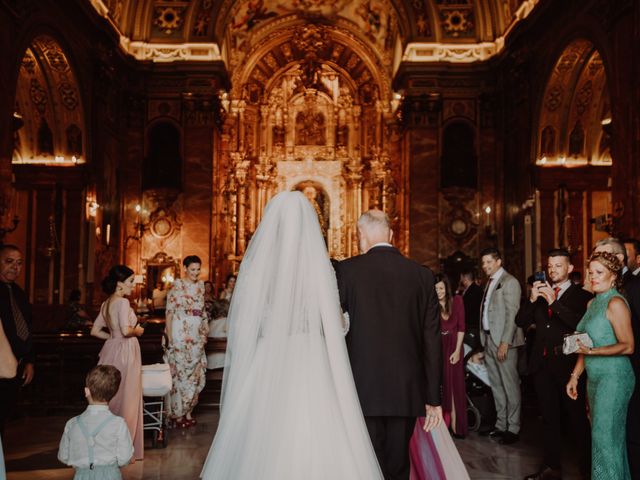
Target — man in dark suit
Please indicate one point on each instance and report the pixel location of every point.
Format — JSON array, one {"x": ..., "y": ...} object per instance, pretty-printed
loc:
[
  {"x": 555, "y": 307},
  {"x": 631, "y": 291},
  {"x": 472, "y": 298},
  {"x": 393, "y": 341},
  {"x": 15, "y": 313}
]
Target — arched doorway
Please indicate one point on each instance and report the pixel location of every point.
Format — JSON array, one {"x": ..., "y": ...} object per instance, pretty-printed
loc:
[
  {"x": 50, "y": 195},
  {"x": 573, "y": 156}
]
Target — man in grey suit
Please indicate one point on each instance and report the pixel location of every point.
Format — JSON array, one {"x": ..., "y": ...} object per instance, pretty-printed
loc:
[{"x": 500, "y": 338}]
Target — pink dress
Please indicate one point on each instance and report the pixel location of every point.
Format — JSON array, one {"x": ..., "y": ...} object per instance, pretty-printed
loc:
[{"x": 124, "y": 354}]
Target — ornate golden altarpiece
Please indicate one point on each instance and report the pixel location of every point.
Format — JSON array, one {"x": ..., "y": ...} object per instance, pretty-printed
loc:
[{"x": 311, "y": 108}]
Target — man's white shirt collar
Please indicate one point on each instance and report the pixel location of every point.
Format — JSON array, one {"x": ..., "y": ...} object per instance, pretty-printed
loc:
[
  {"x": 381, "y": 244},
  {"x": 496, "y": 276}
]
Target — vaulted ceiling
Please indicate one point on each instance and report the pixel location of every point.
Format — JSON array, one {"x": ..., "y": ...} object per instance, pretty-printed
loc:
[{"x": 205, "y": 29}]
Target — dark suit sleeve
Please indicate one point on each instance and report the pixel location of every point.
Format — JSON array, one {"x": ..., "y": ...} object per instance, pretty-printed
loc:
[
  {"x": 570, "y": 315},
  {"x": 526, "y": 314},
  {"x": 457, "y": 310},
  {"x": 342, "y": 288},
  {"x": 432, "y": 343}
]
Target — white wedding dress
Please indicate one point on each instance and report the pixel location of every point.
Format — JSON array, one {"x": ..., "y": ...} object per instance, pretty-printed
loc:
[{"x": 289, "y": 407}]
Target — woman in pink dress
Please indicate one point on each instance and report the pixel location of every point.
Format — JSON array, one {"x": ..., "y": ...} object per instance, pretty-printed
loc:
[{"x": 122, "y": 350}]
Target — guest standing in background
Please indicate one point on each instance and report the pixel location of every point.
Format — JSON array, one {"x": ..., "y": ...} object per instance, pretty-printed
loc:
[
  {"x": 15, "y": 314},
  {"x": 500, "y": 338},
  {"x": 472, "y": 297},
  {"x": 209, "y": 299},
  {"x": 159, "y": 298},
  {"x": 186, "y": 329},
  {"x": 77, "y": 316},
  {"x": 631, "y": 291},
  {"x": 555, "y": 308},
  {"x": 229, "y": 285},
  {"x": 452, "y": 327},
  {"x": 610, "y": 377},
  {"x": 122, "y": 350}
]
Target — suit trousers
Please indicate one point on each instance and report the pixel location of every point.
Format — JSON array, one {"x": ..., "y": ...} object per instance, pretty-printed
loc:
[
  {"x": 505, "y": 386},
  {"x": 390, "y": 437},
  {"x": 555, "y": 406},
  {"x": 633, "y": 427}
]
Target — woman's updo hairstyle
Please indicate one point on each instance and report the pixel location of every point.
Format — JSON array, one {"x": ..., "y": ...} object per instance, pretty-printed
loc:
[
  {"x": 119, "y": 273},
  {"x": 191, "y": 259},
  {"x": 612, "y": 263}
]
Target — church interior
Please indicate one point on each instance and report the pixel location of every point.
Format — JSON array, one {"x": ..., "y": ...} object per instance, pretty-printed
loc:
[{"x": 139, "y": 132}]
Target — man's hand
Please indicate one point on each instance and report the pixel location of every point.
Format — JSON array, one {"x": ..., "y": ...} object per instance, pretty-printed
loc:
[
  {"x": 27, "y": 374},
  {"x": 535, "y": 292},
  {"x": 433, "y": 417},
  {"x": 503, "y": 349},
  {"x": 546, "y": 292}
]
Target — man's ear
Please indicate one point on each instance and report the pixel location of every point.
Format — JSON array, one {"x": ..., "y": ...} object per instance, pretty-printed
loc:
[{"x": 570, "y": 269}]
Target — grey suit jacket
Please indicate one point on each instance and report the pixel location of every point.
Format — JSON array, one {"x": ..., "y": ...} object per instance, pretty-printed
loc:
[{"x": 502, "y": 309}]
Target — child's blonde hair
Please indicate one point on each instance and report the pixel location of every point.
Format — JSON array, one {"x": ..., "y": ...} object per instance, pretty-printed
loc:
[{"x": 103, "y": 382}]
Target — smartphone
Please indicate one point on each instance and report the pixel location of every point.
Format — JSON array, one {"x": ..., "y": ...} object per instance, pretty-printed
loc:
[
  {"x": 540, "y": 277},
  {"x": 143, "y": 324}
]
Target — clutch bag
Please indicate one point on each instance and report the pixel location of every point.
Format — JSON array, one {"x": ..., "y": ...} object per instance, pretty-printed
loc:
[{"x": 570, "y": 343}]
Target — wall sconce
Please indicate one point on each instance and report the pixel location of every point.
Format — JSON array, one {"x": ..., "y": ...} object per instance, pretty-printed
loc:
[
  {"x": 488, "y": 224},
  {"x": 139, "y": 226}
]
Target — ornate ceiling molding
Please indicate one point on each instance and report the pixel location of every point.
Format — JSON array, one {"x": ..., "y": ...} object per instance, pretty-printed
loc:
[
  {"x": 452, "y": 52},
  {"x": 171, "y": 52},
  {"x": 464, "y": 31},
  {"x": 419, "y": 52}
]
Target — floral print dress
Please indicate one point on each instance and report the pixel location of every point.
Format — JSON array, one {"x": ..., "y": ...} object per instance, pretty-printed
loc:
[{"x": 186, "y": 356}]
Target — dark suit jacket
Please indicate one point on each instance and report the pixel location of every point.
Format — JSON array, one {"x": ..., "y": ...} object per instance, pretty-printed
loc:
[
  {"x": 394, "y": 338},
  {"x": 631, "y": 291},
  {"x": 22, "y": 349},
  {"x": 472, "y": 298},
  {"x": 566, "y": 312}
]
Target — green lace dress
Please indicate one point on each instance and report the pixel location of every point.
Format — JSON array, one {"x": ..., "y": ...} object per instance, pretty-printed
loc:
[{"x": 610, "y": 382}]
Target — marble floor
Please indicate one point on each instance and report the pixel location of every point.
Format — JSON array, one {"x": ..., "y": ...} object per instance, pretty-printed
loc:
[{"x": 31, "y": 446}]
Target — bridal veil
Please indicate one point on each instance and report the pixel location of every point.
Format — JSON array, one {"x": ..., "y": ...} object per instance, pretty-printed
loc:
[{"x": 289, "y": 407}]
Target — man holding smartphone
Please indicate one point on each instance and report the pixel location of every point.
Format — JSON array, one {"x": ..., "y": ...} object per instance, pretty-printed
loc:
[{"x": 555, "y": 307}]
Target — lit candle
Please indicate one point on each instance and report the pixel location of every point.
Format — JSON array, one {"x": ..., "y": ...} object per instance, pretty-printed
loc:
[
  {"x": 487, "y": 221},
  {"x": 108, "y": 235}
]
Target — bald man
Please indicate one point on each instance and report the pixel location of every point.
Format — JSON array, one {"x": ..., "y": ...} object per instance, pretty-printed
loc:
[{"x": 393, "y": 341}]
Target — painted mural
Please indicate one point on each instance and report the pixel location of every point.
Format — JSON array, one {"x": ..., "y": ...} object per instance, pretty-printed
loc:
[{"x": 374, "y": 19}]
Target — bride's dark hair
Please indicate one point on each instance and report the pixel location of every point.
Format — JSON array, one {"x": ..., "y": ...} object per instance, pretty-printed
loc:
[{"x": 119, "y": 273}]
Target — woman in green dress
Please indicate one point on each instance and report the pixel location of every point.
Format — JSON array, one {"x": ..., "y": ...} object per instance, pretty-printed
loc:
[{"x": 610, "y": 378}]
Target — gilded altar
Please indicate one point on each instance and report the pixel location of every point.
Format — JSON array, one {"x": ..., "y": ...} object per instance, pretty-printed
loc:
[{"x": 310, "y": 110}]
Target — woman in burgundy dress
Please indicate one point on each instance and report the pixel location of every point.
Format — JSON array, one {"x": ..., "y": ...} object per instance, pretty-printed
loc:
[
  {"x": 434, "y": 455},
  {"x": 454, "y": 401}
]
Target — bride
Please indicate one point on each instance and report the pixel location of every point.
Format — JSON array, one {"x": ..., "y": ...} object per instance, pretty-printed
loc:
[{"x": 289, "y": 407}]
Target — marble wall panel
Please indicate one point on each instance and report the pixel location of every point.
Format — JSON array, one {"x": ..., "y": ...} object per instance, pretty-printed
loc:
[{"x": 423, "y": 197}]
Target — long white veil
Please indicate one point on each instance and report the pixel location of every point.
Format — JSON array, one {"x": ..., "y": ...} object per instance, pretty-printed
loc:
[{"x": 289, "y": 408}]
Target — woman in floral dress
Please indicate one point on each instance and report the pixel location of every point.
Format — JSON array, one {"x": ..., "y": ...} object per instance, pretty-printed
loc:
[{"x": 186, "y": 329}]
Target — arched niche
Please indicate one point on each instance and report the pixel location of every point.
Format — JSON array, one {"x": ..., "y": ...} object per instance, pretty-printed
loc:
[
  {"x": 162, "y": 166},
  {"x": 48, "y": 107},
  {"x": 575, "y": 110},
  {"x": 459, "y": 165}
]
